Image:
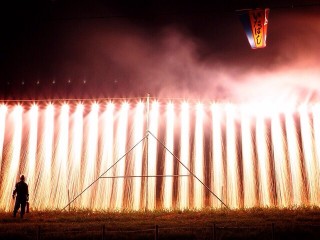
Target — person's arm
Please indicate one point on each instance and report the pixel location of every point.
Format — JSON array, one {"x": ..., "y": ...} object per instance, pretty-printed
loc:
[
  {"x": 27, "y": 193},
  {"x": 14, "y": 192}
]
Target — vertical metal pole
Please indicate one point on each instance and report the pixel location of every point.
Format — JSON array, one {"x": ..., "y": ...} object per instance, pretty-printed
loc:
[
  {"x": 156, "y": 234},
  {"x": 147, "y": 148}
]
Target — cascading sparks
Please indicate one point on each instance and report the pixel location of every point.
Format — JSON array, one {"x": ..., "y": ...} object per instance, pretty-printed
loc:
[{"x": 247, "y": 157}]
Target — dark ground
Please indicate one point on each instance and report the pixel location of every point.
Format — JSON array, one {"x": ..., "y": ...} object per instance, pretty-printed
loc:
[{"x": 302, "y": 223}]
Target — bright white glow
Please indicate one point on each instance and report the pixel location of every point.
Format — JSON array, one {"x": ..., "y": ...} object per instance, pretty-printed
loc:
[
  {"x": 31, "y": 155},
  {"x": 218, "y": 173},
  {"x": 308, "y": 153},
  {"x": 280, "y": 163},
  {"x": 169, "y": 161},
  {"x": 316, "y": 130},
  {"x": 60, "y": 179},
  {"x": 294, "y": 161},
  {"x": 13, "y": 154},
  {"x": 253, "y": 157},
  {"x": 268, "y": 109},
  {"x": 43, "y": 186},
  {"x": 95, "y": 107},
  {"x": 76, "y": 133},
  {"x": 138, "y": 155},
  {"x": 152, "y": 154},
  {"x": 3, "y": 114},
  {"x": 248, "y": 160},
  {"x": 232, "y": 158},
  {"x": 184, "y": 156},
  {"x": 80, "y": 107},
  {"x": 262, "y": 141},
  {"x": 121, "y": 139},
  {"x": 103, "y": 195},
  {"x": 90, "y": 156},
  {"x": 198, "y": 160},
  {"x": 125, "y": 106}
]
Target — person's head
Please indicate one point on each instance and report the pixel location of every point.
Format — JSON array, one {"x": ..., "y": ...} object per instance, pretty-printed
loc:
[{"x": 22, "y": 178}]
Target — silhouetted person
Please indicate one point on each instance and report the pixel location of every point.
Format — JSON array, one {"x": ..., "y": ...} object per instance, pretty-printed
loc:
[{"x": 22, "y": 196}]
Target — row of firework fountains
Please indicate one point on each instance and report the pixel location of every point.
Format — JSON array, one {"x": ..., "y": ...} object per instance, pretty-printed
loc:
[{"x": 169, "y": 155}]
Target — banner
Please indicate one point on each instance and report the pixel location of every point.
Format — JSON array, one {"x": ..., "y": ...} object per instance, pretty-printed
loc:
[{"x": 255, "y": 22}]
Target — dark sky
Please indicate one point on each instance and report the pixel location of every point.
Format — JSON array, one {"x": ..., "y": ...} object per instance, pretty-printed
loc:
[{"x": 192, "y": 49}]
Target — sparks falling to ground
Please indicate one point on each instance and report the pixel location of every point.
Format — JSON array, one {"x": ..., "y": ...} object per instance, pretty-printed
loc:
[{"x": 248, "y": 156}]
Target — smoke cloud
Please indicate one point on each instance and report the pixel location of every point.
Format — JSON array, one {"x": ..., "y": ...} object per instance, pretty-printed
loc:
[{"x": 180, "y": 58}]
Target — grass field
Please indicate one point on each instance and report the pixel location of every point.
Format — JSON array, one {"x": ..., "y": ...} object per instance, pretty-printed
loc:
[{"x": 301, "y": 223}]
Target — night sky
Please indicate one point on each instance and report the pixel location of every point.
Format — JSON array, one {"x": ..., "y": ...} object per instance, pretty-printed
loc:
[{"x": 175, "y": 49}]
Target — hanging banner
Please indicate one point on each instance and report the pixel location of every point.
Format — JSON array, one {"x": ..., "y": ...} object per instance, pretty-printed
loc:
[{"x": 255, "y": 22}]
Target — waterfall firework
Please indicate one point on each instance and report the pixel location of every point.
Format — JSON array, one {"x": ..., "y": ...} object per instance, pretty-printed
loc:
[{"x": 143, "y": 156}]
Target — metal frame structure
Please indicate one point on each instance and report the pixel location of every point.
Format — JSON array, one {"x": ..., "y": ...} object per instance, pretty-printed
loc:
[{"x": 146, "y": 137}]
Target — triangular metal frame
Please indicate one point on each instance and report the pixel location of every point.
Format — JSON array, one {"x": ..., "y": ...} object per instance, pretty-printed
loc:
[{"x": 147, "y": 176}]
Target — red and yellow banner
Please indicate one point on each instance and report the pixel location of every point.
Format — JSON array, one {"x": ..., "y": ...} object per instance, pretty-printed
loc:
[
  {"x": 255, "y": 22},
  {"x": 259, "y": 21}
]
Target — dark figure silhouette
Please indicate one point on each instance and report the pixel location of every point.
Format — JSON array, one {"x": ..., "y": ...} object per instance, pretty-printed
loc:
[{"x": 22, "y": 196}]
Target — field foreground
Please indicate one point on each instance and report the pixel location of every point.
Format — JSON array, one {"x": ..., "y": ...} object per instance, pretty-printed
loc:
[{"x": 301, "y": 223}]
